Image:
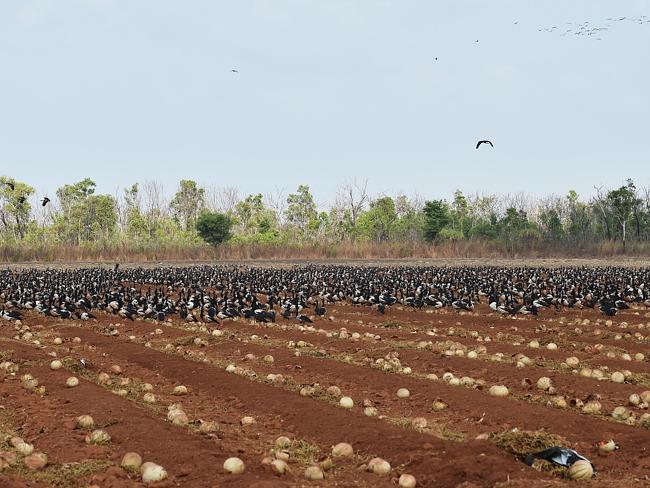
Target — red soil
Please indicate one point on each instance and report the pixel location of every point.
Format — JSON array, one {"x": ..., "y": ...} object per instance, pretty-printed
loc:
[{"x": 195, "y": 460}]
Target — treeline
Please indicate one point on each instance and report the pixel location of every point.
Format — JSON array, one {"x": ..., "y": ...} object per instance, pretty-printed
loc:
[{"x": 144, "y": 222}]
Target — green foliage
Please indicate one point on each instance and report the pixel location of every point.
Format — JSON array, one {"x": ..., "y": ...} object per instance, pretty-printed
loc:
[
  {"x": 188, "y": 203},
  {"x": 85, "y": 216},
  {"x": 143, "y": 218},
  {"x": 484, "y": 229},
  {"x": 379, "y": 221},
  {"x": 580, "y": 219},
  {"x": 552, "y": 225},
  {"x": 301, "y": 209},
  {"x": 410, "y": 222},
  {"x": 253, "y": 217},
  {"x": 15, "y": 208},
  {"x": 69, "y": 194},
  {"x": 214, "y": 228},
  {"x": 623, "y": 202},
  {"x": 436, "y": 217},
  {"x": 448, "y": 234},
  {"x": 460, "y": 213}
]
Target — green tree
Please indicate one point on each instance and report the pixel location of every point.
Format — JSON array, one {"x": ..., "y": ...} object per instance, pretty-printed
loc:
[
  {"x": 101, "y": 216},
  {"x": 301, "y": 208},
  {"x": 70, "y": 194},
  {"x": 188, "y": 203},
  {"x": 550, "y": 220},
  {"x": 135, "y": 223},
  {"x": 340, "y": 225},
  {"x": 214, "y": 228},
  {"x": 459, "y": 213},
  {"x": 85, "y": 216},
  {"x": 436, "y": 217},
  {"x": 15, "y": 208},
  {"x": 516, "y": 227},
  {"x": 623, "y": 201},
  {"x": 408, "y": 226},
  {"x": 254, "y": 217},
  {"x": 579, "y": 219},
  {"x": 378, "y": 221}
]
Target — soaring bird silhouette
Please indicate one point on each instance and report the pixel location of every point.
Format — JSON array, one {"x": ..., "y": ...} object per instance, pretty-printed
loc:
[
  {"x": 45, "y": 201},
  {"x": 234, "y": 71},
  {"x": 484, "y": 142}
]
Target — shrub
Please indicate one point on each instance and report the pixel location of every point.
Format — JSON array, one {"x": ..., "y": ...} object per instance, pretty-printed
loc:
[{"x": 214, "y": 228}]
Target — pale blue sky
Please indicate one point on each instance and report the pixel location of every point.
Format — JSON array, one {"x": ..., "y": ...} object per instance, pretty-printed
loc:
[{"x": 128, "y": 90}]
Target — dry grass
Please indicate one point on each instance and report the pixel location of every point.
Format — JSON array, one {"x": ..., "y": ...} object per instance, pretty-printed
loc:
[
  {"x": 7, "y": 430},
  {"x": 304, "y": 452},
  {"x": 65, "y": 475},
  {"x": 523, "y": 442},
  {"x": 155, "y": 252}
]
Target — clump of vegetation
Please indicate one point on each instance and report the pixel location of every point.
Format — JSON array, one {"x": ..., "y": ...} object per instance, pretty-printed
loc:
[
  {"x": 521, "y": 443},
  {"x": 214, "y": 228},
  {"x": 391, "y": 324},
  {"x": 68, "y": 475},
  {"x": 304, "y": 452},
  {"x": 145, "y": 224}
]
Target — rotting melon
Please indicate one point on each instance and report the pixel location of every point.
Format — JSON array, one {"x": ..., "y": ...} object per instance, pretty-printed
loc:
[{"x": 581, "y": 470}]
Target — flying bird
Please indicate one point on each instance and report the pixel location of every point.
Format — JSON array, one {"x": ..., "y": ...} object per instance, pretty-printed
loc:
[
  {"x": 484, "y": 142},
  {"x": 45, "y": 201},
  {"x": 234, "y": 71}
]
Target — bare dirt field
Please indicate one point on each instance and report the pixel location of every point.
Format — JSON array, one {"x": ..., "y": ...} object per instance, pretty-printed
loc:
[{"x": 450, "y": 431}]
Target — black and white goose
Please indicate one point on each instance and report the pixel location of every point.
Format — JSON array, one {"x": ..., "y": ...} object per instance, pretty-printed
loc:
[
  {"x": 10, "y": 314},
  {"x": 320, "y": 309},
  {"x": 562, "y": 456}
]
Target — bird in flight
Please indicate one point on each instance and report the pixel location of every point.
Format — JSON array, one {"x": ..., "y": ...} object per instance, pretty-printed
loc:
[
  {"x": 484, "y": 142},
  {"x": 45, "y": 201},
  {"x": 234, "y": 71}
]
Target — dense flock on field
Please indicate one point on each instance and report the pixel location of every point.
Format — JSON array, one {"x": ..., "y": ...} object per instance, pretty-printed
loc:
[
  {"x": 185, "y": 311},
  {"x": 214, "y": 293}
]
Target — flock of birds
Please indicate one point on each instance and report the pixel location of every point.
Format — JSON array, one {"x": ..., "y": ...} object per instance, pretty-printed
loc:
[
  {"x": 586, "y": 29},
  {"x": 211, "y": 294},
  {"x": 12, "y": 186},
  {"x": 589, "y": 30}
]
